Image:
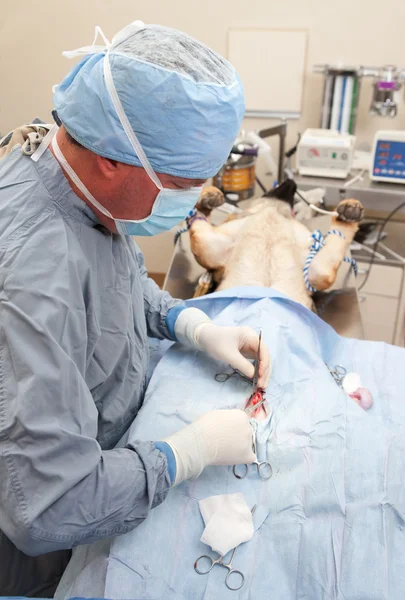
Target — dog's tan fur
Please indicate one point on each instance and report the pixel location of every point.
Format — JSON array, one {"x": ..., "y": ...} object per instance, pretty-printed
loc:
[{"x": 266, "y": 246}]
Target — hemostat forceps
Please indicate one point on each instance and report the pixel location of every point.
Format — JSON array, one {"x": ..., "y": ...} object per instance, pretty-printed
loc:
[
  {"x": 222, "y": 377},
  {"x": 210, "y": 562},
  {"x": 338, "y": 374},
  {"x": 263, "y": 467}
]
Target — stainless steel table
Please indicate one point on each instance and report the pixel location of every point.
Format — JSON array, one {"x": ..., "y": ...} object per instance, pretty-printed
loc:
[
  {"x": 339, "y": 306},
  {"x": 381, "y": 197}
]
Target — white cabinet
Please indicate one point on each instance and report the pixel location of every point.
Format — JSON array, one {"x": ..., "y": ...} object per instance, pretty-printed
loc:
[
  {"x": 378, "y": 314},
  {"x": 382, "y": 281},
  {"x": 382, "y": 302}
]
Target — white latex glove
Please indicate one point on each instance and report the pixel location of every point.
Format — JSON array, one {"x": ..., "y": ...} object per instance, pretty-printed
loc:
[
  {"x": 219, "y": 437},
  {"x": 232, "y": 345}
]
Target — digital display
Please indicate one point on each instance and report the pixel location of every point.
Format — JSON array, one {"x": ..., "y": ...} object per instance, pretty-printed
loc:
[{"x": 389, "y": 160}]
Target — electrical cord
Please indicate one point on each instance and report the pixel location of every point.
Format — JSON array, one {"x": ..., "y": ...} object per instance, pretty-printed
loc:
[
  {"x": 331, "y": 213},
  {"x": 293, "y": 150},
  {"x": 355, "y": 179},
  {"x": 384, "y": 223},
  {"x": 302, "y": 198},
  {"x": 261, "y": 185}
]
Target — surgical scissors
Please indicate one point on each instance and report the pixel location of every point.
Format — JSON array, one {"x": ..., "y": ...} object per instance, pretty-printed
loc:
[
  {"x": 264, "y": 468},
  {"x": 220, "y": 561},
  {"x": 222, "y": 377},
  {"x": 338, "y": 374}
]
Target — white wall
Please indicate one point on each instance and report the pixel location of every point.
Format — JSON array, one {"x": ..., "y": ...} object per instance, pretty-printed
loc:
[{"x": 33, "y": 34}]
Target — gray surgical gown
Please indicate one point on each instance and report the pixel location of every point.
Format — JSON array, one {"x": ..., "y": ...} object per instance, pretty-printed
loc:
[{"x": 76, "y": 310}]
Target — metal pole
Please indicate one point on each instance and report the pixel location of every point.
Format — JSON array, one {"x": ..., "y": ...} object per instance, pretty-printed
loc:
[{"x": 281, "y": 131}]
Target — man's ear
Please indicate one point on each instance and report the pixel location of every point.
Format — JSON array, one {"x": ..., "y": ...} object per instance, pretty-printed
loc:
[{"x": 108, "y": 168}]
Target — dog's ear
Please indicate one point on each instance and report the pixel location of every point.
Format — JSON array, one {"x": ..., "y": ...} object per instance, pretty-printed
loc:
[
  {"x": 285, "y": 192},
  {"x": 217, "y": 277}
]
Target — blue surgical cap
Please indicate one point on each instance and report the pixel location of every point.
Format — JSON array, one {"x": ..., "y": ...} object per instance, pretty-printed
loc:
[{"x": 184, "y": 102}]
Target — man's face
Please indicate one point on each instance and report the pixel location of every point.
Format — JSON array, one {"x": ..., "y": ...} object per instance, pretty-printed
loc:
[{"x": 126, "y": 191}]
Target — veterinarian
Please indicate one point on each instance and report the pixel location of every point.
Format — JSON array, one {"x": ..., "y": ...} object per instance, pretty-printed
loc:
[{"x": 142, "y": 122}]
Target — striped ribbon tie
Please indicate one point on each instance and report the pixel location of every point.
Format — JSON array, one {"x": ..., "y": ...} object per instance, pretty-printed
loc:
[{"x": 186, "y": 227}]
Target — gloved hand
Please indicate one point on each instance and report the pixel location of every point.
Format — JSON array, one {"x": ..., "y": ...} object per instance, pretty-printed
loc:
[
  {"x": 233, "y": 345},
  {"x": 219, "y": 437}
]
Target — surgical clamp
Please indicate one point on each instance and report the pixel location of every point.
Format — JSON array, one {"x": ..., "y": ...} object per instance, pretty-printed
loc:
[
  {"x": 220, "y": 561},
  {"x": 264, "y": 468},
  {"x": 338, "y": 374}
]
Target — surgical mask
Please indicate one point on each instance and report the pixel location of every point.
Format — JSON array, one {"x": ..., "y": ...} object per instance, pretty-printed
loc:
[{"x": 170, "y": 206}]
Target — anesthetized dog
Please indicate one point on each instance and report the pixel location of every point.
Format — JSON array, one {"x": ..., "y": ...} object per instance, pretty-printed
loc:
[{"x": 267, "y": 246}]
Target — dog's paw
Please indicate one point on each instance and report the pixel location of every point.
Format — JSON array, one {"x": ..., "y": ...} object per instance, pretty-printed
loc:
[
  {"x": 211, "y": 197},
  {"x": 350, "y": 211}
]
